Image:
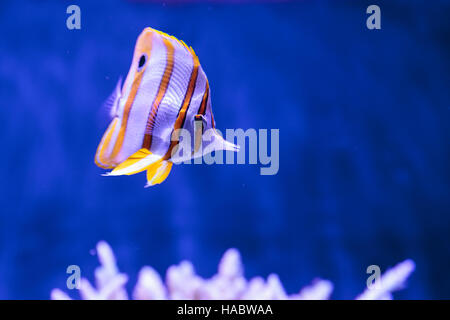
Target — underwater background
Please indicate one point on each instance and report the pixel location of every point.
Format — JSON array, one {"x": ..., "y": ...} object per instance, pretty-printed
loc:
[{"x": 363, "y": 115}]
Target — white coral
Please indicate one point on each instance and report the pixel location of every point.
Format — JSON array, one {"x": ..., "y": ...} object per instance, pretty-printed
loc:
[
  {"x": 228, "y": 284},
  {"x": 392, "y": 280}
]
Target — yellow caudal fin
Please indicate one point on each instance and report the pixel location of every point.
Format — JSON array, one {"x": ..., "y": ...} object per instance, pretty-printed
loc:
[
  {"x": 158, "y": 172},
  {"x": 136, "y": 163}
]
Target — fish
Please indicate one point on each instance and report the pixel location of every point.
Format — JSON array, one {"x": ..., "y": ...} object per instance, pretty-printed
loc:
[{"x": 164, "y": 102}]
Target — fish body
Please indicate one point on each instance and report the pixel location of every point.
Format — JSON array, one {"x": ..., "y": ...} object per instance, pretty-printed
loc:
[{"x": 165, "y": 93}]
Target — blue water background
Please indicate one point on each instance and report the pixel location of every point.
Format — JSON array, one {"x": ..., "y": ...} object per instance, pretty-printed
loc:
[{"x": 364, "y": 144}]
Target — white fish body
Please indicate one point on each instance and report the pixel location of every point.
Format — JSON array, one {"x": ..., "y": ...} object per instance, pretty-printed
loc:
[{"x": 165, "y": 90}]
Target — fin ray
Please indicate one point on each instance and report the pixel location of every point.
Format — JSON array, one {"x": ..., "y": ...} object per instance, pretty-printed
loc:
[{"x": 111, "y": 103}]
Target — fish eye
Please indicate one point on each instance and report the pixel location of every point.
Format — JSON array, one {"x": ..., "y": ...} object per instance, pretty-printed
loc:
[{"x": 142, "y": 61}]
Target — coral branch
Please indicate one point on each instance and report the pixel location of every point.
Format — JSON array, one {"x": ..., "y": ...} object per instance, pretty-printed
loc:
[
  {"x": 228, "y": 284},
  {"x": 394, "y": 279}
]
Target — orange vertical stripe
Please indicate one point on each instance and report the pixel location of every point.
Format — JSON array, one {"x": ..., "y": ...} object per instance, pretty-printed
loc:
[
  {"x": 100, "y": 159},
  {"x": 202, "y": 108},
  {"x": 126, "y": 114},
  {"x": 179, "y": 122},
  {"x": 144, "y": 45},
  {"x": 164, "y": 84}
]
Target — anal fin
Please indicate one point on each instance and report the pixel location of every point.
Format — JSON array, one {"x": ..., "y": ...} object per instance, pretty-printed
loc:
[
  {"x": 158, "y": 172},
  {"x": 137, "y": 162}
]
